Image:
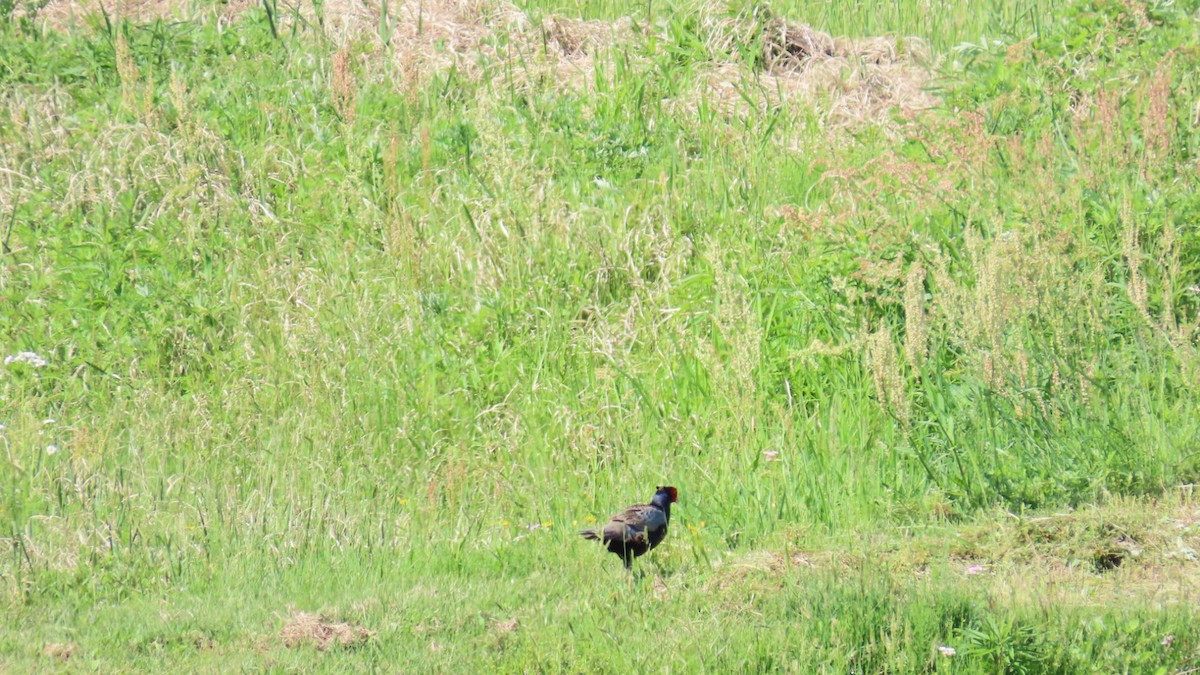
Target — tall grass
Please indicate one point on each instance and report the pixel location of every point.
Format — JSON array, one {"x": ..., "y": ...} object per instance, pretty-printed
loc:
[{"x": 337, "y": 327}]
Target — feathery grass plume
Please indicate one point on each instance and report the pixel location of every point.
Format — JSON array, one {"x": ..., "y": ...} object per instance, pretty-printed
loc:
[
  {"x": 1136, "y": 286},
  {"x": 1103, "y": 153},
  {"x": 344, "y": 86},
  {"x": 916, "y": 327},
  {"x": 992, "y": 376},
  {"x": 989, "y": 296},
  {"x": 393, "y": 157},
  {"x": 402, "y": 243},
  {"x": 1085, "y": 383},
  {"x": 885, "y": 372},
  {"x": 178, "y": 93},
  {"x": 1157, "y": 126},
  {"x": 127, "y": 70},
  {"x": 1168, "y": 256},
  {"x": 148, "y": 112},
  {"x": 1113, "y": 148},
  {"x": 411, "y": 73}
]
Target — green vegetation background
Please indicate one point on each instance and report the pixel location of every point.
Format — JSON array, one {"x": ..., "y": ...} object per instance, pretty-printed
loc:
[{"x": 379, "y": 350}]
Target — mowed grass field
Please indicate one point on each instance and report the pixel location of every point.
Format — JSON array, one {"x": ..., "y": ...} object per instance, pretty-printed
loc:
[{"x": 327, "y": 328}]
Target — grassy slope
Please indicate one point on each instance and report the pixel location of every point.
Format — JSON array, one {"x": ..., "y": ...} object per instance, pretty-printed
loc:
[{"x": 383, "y": 367}]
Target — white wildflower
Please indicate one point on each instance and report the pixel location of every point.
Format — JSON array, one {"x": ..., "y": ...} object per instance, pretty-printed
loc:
[
  {"x": 30, "y": 358},
  {"x": 947, "y": 651},
  {"x": 52, "y": 449}
]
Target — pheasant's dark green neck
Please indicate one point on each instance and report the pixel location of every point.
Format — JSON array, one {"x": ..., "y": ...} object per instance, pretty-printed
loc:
[{"x": 663, "y": 501}]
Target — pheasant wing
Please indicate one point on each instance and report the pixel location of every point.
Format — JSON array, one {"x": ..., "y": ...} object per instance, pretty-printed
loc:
[
  {"x": 646, "y": 516},
  {"x": 633, "y": 523}
]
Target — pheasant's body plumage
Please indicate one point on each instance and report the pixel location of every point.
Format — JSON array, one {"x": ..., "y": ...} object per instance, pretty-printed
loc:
[{"x": 639, "y": 528}]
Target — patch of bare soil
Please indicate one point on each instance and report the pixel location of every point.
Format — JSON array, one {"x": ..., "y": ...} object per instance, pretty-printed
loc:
[
  {"x": 303, "y": 629},
  {"x": 851, "y": 81}
]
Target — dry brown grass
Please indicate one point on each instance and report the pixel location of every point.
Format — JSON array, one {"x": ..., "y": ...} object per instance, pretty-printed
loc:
[
  {"x": 852, "y": 81},
  {"x": 1157, "y": 125},
  {"x": 344, "y": 85},
  {"x": 304, "y": 629},
  {"x": 62, "y": 651},
  {"x": 60, "y": 14}
]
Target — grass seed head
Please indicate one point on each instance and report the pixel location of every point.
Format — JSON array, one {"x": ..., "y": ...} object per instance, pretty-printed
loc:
[
  {"x": 344, "y": 85},
  {"x": 916, "y": 328}
]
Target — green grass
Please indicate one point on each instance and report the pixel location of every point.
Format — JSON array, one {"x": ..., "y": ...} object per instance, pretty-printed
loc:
[
  {"x": 942, "y": 23},
  {"x": 381, "y": 360}
]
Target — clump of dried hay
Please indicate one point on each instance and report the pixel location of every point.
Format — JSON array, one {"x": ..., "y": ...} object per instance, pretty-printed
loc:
[
  {"x": 853, "y": 81},
  {"x": 312, "y": 629},
  {"x": 63, "y": 651},
  {"x": 575, "y": 38}
]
